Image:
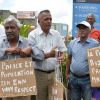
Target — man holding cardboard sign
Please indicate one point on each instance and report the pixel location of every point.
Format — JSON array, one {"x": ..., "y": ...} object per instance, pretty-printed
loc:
[
  {"x": 78, "y": 64},
  {"x": 94, "y": 67},
  {"x": 14, "y": 46}
]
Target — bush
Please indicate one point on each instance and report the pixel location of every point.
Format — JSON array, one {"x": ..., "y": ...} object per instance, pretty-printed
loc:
[
  {"x": 24, "y": 30},
  {"x": 63, "y": 69}
]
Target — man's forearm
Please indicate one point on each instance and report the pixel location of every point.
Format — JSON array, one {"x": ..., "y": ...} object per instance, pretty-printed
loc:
[
  {"x": 68, "y": 64},
  {"x": 47, "y": 55}
]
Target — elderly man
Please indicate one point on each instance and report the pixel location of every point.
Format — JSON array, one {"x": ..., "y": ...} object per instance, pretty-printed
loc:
[
  {"x": 95, "y": 33},
  {"x": 78, "y": 64},
  {"x": 46, "y": 39},
  {"x": 14, "y": 46}
]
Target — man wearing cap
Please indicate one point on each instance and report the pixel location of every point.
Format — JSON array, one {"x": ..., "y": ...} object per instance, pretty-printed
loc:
[
  {"x": 78, "y": 63},
  {"x": 95, "y": 33}
]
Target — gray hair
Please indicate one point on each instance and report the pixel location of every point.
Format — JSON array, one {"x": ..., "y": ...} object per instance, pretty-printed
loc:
[
  {"x": 41, "y": 12},
  {"x": 12, "y": 18},
  {"x": 47, "y": 11},
  {"x": 92, "y": 15}
]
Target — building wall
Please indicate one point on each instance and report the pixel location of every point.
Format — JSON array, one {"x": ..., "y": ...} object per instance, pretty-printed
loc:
[
  {"x": 5, "y": 13},
  {"x": 62, "y": 28},
  {"x": 32, "y": 22}
]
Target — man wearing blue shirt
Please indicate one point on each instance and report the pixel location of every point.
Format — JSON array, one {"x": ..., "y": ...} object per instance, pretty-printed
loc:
[
  {"x": 14, "y": 46},
  {"x": 78, "y": 63}
]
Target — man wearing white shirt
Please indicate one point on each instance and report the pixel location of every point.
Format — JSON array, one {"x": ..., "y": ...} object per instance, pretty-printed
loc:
[{"x": 47, "y": 40}]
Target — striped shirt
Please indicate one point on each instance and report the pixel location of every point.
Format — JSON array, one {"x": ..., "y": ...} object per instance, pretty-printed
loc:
[{"x": 46, "y": 43}]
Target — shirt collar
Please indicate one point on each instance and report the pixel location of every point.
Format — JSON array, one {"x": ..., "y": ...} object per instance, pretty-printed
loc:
[
  {"x": 6, "y": 40},
  {"x": 40, "y": 31},
  {"x": 20, "y": 39},
  {"x": 87, "y": 41}
]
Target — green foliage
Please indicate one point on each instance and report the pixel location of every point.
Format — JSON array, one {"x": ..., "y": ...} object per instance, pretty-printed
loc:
[
  {"x": 1, "y": 19},
  {"x": 24, "y": 30},
  {"x": 63, "y": 68}
]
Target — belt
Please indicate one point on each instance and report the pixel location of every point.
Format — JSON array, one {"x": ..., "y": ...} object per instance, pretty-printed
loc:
[
  {"x": 81, "y": 76},
  {"x": 50, "y": 71}
]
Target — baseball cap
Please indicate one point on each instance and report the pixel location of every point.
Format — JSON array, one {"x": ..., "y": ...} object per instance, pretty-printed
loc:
[{"x": 85, "y": 23}]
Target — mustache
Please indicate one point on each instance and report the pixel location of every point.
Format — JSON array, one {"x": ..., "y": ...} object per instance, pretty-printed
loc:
[{"x": 10, "y": 33}]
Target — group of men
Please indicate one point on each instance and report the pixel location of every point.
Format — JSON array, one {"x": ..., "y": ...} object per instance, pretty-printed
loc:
[{"x": 41, "y": 46}]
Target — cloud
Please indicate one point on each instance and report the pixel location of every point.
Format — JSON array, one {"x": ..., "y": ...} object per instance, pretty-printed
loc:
[
  {"x": 1, "y": 1},
  {"x": 61, "y": 9}
]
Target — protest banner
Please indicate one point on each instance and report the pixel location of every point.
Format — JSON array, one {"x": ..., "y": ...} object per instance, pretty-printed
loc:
[
  {"x": 17, "y": 78},
  {"x": 56, "y": 91},
  {"x": 94, "y": 66}
]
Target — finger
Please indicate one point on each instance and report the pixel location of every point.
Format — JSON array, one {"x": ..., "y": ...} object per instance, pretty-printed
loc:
[
  {"x": 22, "y": 54},
  {"x": 17, "y": 50}
]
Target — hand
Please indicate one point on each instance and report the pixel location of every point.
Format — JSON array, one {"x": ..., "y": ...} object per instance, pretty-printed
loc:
[
  {"x": 53, "y": 52},
  {"x": 67, "y": 76},
  {"x": 60, "y": 59},
  {"x": 26, "y": 51},
  {"x": 22, "y": 54},
  {"x": 13, "y": 50}
]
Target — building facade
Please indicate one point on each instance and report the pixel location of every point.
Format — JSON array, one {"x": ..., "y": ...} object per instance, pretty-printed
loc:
[{"x": 62, "y": 28}]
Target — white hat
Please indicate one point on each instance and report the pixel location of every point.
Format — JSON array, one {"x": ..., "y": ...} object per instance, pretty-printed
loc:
[{"x": 85, "y": 23}]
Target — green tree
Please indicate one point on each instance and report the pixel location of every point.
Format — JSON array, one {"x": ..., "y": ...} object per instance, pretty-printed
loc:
[{"x": 1, "y": 19}]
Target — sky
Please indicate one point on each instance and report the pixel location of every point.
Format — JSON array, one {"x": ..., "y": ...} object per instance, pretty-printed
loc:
[{"x": 61, "y": 10}]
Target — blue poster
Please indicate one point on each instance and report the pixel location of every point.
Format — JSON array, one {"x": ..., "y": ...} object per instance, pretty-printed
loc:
[
  {"x": 81, "y": 9},
  {"x": 86, "y": 1}
]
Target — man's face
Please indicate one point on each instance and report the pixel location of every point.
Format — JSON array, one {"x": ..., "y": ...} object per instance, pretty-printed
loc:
[
  {"x": 83, "y": 31},
  {"x": 12, "y": 30},
  {"x": 91, "y": 20},
  {"x": 45, "y": 21}
]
